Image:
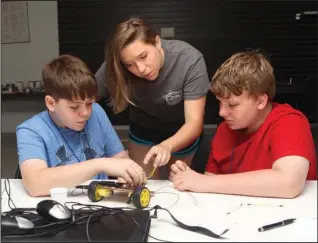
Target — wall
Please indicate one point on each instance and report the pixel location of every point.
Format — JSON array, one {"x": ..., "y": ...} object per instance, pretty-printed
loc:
[
  {"x": 24, "y": 61},
  {"x": 218, "y": 29}
]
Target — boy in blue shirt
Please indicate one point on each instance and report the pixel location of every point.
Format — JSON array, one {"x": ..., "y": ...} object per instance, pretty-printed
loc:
[{"x": 73, "y": 140}]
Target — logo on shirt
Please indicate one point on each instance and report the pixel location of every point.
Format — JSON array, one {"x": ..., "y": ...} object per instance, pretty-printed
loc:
[
  {"x": 89, "y": 153},
  {"x": 61, "y": 154},
  {"x": 64, "y": 159},
  {"x": 173, "y": 97}
]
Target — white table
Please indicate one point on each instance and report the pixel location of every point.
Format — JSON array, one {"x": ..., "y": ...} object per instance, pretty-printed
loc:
[{"x": 210, "y": 211}]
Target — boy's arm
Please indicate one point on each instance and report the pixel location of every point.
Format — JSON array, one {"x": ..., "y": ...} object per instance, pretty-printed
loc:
[
  {"x": 291, "y": 149},
  {"x": 286, "y": 179},
  {"x": 38, "y": 179},
  {"x": 122, "y": 155}
]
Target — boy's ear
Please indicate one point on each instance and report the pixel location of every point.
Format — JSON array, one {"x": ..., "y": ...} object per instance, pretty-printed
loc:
[
  {"x": 50, "y": 103},
  {"x": 262, "y": 101}
]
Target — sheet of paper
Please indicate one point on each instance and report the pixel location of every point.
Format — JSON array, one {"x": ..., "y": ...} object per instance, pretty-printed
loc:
[{"x": 14, "y": 22}]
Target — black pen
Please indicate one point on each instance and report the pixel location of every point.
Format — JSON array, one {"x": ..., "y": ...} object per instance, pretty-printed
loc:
[{"x": 276, "y": 225}]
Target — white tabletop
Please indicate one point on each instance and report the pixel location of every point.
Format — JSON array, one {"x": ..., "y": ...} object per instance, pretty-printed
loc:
[{"x": 210, "y": 211}]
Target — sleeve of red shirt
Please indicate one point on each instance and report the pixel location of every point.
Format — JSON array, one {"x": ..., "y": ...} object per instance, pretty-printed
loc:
[
  {"x": 211, "y": 165},
  {"x": 292, "y": 136}
]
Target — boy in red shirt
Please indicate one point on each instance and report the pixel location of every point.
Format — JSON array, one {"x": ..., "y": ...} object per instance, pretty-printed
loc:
[{"x": 261, "y": 148}]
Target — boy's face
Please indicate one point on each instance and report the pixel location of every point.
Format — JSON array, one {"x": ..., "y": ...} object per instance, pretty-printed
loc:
[
  {"x": 241, "y": 112},
  {"x": 72, "y": 114}
]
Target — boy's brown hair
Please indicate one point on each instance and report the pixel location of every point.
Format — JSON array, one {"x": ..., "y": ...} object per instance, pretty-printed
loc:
[
  {"x": 68, "y": 77},
  {"x": 249, "y": 71}
]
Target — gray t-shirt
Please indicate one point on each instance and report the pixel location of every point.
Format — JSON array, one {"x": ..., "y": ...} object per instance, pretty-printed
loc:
[{"x": 160, "y": 103}]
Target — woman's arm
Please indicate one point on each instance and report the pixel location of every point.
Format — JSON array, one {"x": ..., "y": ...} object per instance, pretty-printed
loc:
[
  {"x": 191, "y": 130},
  {"x": 194, "y": 118}
]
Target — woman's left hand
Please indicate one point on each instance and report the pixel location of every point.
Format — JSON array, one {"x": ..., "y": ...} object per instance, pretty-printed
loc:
[{"x": 161, "y": 154}]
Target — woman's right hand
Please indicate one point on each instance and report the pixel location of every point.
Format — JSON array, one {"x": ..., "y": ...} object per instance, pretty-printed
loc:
[{"x": 126, "y": 169}]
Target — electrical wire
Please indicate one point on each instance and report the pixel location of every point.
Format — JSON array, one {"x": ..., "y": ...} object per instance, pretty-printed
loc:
[
  {"x": 178, "y": 194},
  {"x": 7, "y": 188},
  {"x": 83, "y": 192},
  {"x": 253, "y": 204},
  {"x": 84, "y": 214},
  {"x": 152, "y": 172}
]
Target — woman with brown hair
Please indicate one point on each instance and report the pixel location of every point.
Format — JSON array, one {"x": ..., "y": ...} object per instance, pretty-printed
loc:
[{"x": 165, "y": 82}]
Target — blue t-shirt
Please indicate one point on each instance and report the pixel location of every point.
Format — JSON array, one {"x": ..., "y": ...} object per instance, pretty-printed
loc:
[{"x": 40, "y": 138}]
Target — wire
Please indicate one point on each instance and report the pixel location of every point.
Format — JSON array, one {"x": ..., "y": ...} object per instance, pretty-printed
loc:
[
  {"x": 51, "y": 224},
  {"x": 87, "y": 225},
  {"x": 83, "y": 192},
  {"x": 145, "y": 232},
  {"x": 94, "y": 210},
  {"x": 67, "y": 223},
  {"x": 7, "y": 188},
  {"x": 85, "y": 211},
  {"x": 157, "y": 192},
  {"x": 105, "y": 211},
  {"x": 2, "y": 193},
  {"x": 152, "y": 172},
  {"x": 172, "y": 194},
  {"x": 254, "y": 204},
  {"x": 54, "y": 231}
]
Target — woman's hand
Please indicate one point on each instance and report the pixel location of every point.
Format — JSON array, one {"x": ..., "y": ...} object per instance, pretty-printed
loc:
[{"x": 160, "y": 153}]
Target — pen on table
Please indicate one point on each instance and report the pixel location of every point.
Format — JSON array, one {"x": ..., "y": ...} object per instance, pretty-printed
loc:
[{"x": 276, "y": 225}]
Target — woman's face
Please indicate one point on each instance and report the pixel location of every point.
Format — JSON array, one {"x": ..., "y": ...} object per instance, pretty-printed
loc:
[{"x": 143, "y": 60}]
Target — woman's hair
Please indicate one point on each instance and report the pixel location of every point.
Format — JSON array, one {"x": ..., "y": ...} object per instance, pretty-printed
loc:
[
  {"x": 118, "y": 78},
  {"x": 250, "y": 71}
]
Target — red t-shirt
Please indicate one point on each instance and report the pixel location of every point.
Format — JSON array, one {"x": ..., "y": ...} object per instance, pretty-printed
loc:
[{"x": 284, "y": 132}]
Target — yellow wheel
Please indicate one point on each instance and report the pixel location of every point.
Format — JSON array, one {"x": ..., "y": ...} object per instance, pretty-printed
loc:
[
  {"x": 97, "y": 192},
  {"x": 141, "y": 197}
]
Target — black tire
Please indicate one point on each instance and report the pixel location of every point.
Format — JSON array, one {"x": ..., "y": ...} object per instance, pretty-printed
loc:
[
  {"x": 92, "y": 191},
  {"x": 141, "y": 197}
]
